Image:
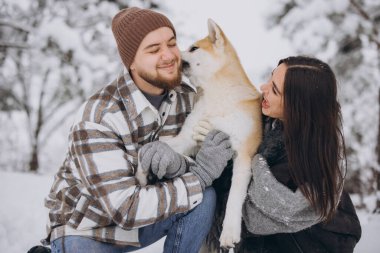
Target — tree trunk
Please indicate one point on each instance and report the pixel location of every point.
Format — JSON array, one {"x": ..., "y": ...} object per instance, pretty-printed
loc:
[
  {"x": 33, "y": 163},
  {"x": 377, "y": 209}
]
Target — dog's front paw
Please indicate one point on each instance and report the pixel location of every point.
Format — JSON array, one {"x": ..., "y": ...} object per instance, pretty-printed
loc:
[{"x": 230, "y": 236}]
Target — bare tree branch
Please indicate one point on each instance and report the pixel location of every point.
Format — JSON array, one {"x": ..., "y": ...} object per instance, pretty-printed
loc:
[
  {"x": 375, "y": 33},
  {"x": 56, "y": 125},
  {"x": 361, "y": 11},
  {"x": 5, "y": 44},
  {"x": 14, "y": 25}
]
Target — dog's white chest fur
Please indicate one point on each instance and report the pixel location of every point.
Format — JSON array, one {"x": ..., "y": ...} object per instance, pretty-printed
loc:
[{"x": 221, "y": 109}]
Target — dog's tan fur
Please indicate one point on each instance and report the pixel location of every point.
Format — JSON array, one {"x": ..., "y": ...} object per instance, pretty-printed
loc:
[{"x": 232, "y": 104}]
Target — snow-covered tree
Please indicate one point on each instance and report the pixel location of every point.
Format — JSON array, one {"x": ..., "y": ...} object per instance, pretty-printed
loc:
[{"x": 344, "y": 33}]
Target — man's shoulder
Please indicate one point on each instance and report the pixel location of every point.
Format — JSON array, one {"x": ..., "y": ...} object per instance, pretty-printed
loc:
[
  {"x": 109, "y": 92},
  {"x": 106, "y": 100}
]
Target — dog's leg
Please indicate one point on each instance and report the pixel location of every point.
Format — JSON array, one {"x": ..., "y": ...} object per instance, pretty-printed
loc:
[
  {"x": 240, "y": 179},
  {"x": 184, "y": 143}
]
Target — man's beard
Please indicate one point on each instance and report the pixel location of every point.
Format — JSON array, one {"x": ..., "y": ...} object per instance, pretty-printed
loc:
[{"x": 162, "y": 82}]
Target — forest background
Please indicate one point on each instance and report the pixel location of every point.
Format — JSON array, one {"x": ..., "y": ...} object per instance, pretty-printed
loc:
[{"x": 55, "y": 53}]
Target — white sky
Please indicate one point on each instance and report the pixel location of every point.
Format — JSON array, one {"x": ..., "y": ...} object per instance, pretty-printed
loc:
[{"x": 242, "y": 21}]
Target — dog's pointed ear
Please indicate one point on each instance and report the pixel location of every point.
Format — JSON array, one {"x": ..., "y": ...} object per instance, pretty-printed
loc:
[{"x": 215, "y": 33}]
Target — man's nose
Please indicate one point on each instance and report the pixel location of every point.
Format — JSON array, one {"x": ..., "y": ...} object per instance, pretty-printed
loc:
[{"x": 167, "y": 54}]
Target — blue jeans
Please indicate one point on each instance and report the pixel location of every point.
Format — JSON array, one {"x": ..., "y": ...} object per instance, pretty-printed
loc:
[{"x": 184, "y": 233}]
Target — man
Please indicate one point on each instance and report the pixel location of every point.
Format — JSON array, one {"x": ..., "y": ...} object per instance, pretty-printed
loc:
[{"x": 95, "y": 203}]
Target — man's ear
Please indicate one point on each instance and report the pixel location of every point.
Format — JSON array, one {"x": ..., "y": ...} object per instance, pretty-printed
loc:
[{"x": 215, "y": 34}]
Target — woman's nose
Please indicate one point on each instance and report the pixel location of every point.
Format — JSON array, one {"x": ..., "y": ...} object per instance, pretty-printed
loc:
[{"x": 263, "y": 87}]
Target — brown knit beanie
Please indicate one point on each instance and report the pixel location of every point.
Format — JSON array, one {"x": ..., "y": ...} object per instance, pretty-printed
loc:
[{"x": 131, "y": 25}]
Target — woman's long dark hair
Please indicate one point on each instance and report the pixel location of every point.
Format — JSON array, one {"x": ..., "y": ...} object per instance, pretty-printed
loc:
[{"x": 313, "y": 132}]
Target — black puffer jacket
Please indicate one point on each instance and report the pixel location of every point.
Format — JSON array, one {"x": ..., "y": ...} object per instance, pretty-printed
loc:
[{"x": 339, "y": 235}]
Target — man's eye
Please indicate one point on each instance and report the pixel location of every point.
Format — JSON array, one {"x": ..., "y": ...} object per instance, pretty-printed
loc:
[
  {"x": 193, "y": 48},
  {"x": 154, "y": 51}
]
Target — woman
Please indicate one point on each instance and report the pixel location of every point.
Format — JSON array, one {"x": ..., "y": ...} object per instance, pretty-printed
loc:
[{"x": 296, "y": 201}]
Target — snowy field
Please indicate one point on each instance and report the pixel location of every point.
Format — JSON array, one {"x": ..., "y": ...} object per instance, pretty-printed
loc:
[{"x": 22, "y": 215}]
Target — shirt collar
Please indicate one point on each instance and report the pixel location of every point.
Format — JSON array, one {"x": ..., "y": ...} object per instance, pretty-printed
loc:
[{"x": 135, "y": 101}]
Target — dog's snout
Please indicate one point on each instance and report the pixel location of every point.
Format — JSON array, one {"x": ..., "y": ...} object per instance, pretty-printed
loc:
[{"x": 185, "y": 64}]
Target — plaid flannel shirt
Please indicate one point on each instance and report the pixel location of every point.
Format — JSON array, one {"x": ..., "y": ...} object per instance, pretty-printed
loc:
[{"x": 95, "y": 193}]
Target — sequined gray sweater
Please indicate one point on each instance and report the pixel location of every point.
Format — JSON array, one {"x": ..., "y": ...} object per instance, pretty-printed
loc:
[
  {"x": 272, "y": 207},
  {"x": 274, "y": 204}
]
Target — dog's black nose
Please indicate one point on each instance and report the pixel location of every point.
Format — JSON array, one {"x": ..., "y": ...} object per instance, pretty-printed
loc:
[{"x": 185, "y": 64}]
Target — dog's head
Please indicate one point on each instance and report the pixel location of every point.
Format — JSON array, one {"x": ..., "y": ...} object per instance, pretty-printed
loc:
[{"x": 207, "y": 57}]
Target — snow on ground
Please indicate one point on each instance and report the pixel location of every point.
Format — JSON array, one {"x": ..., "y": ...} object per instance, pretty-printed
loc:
[{"x": 23, "y": 216}]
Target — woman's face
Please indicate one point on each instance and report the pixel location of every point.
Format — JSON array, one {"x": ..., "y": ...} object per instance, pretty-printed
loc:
[{"x": 273, "y": 102}]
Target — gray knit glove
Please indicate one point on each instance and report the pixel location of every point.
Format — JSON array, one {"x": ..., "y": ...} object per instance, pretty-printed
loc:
[
  {"x": 212, "y": 158},
  {"x": 162, "y": 160}
]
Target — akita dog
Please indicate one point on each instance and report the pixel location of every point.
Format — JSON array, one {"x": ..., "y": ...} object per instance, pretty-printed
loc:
[{"x": 229, "y": 101}]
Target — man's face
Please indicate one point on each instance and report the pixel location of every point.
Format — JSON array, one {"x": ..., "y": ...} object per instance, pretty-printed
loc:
[{"x": 157, "y": 63}]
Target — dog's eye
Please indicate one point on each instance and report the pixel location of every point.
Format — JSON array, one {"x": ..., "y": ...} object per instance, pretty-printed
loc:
[{"x": 193, "y": 48}]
